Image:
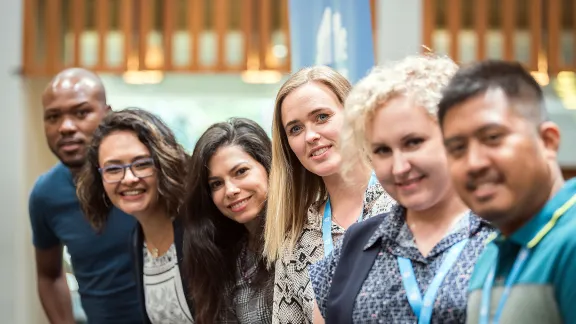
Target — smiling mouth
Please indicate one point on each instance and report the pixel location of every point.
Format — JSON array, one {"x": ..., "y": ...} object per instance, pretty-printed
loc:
[
  {"x": 320, "y": 151},
  {"x": 410, "y": 182},
  {"x": 239, "y": 204},
  {"x": 132, "y": 192},
  {"x": 484, "y": 191}
]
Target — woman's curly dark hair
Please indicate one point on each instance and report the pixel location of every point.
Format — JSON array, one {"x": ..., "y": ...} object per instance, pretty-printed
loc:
[{"x": 169, "y": 159}]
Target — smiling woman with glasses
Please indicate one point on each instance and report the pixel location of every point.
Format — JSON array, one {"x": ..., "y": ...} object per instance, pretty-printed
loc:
[{"x": 135, "y": 164}]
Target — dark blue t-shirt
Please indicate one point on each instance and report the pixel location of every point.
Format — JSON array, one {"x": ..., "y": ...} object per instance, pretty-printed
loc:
[{"x": 102, "y": 262}]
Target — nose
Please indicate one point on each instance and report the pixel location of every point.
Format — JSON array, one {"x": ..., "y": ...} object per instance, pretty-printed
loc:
[
  {"x": 68, "y": 126},
  {"x": 476, "y": 159},
  {"x": 312, "y": 136},
  {"x": 400, "y": 165},
  {"x": 129, "y": 177},
  {"x": 231, "y": 189}
]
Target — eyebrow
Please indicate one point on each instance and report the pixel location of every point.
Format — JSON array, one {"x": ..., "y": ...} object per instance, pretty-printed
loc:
[
  {"x": 484, "y": 128},
  {"x": 231, "y": 170},
  {"x": 116, "y": 161},
  {"x": 376, "y": 145},
  {"x": 403, "y": 138},
  {"x": 55, "y": 109},
  {"x": 313, "y": 112}
]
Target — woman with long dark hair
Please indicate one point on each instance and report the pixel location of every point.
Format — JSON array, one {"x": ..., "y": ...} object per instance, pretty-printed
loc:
[
  {"x": 224, "y": 218},
  {"x": 135, "y": 163}
]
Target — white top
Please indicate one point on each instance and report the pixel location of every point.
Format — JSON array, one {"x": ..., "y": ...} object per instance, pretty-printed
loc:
[{"x": 163, "y": 291}]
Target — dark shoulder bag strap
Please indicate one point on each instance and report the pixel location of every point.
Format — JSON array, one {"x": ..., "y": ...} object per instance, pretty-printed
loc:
[
  {"x": 352, "y": 269},
  {"x": 179, "y": 244},
  {"x": 138, "y": 259}
]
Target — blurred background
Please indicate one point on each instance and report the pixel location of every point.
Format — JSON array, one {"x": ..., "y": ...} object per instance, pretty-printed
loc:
[{"x": 196, "y": 62}]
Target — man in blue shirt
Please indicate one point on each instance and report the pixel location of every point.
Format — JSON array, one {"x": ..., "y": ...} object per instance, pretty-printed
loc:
[
  {"x": 502, "y": 151},
  {"x": 74, "y": 104}
]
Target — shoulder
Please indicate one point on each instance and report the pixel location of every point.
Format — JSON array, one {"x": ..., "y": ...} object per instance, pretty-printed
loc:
[
  {"x": 377, "y": 201},
  {"x": 482, "y": 266},
  {"x": 368, "y": 225},
  {"x": 44, "y": 186}
]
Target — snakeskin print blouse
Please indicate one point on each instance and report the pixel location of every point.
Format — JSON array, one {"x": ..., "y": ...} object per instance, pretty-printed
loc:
[{"x": 293, "y": 294}]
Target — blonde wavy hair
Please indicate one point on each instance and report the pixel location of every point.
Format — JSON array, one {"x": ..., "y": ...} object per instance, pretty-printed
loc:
[
  {"x": 418, "y": 77},
  {"x": 292, "y": 188}
]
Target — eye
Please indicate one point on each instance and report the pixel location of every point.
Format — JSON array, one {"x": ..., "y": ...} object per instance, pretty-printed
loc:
[
  {"x": 143, "y": 164},
  {"x": 241, "y": 171},
  {"x": 322, "y": 117},
  {"x": 51, "y": 118},
  {"x": 493, "y": 138},
  {"x": 456, "y": 149},
  {"x": 414, "y": 143},
  {"x": 381, "y": 150},
  {"x": 113, "y": 169},
  {"x": 215, "y": 184},
  {"x": 82, "y": 113},
  {"x": 295, "y": 129}
]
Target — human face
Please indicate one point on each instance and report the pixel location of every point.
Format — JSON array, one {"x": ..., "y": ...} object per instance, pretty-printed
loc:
[
  {"x": 71, "y": 115},
  {"x": 407, "y": 154},
  {"x": 499, "y": 160},
  {"x": 133, "y": 195},
  {"x": 312, "y": 118},
  {"x": 239, "y": 184}
]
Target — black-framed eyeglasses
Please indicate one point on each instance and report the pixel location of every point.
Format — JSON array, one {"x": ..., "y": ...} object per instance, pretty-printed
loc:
[{"x": 114, "y": 173}]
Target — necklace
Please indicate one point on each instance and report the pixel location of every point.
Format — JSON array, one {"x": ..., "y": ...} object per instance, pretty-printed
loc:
[{"x": 153, "y": 248}]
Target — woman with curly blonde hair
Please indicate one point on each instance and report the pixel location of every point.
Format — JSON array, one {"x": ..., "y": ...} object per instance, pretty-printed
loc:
[
  {"x": 309, "y": 203},
  {"x": 411, "y": 264}
]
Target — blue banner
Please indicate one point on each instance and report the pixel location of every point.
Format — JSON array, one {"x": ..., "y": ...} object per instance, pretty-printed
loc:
[{"x": 337, "y": 33}]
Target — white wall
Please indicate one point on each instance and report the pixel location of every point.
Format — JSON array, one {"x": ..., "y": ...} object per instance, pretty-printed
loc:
[
  {"x": 190, "y": 103},
  {"x": 18, "y": 301}
]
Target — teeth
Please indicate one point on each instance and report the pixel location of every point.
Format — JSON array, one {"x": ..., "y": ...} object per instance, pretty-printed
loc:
[
  {"x": 320, "y": 151},
  {"x": 239, "y": 204},
  {"x": 484, "y": 185},
  {"x": 132, "y": 192}
]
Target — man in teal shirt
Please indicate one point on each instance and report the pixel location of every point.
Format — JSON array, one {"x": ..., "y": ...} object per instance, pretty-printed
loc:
[{"x": 503, "y": 152}]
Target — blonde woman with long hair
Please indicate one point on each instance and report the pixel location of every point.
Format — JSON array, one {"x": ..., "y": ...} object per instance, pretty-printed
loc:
[{"x": 309, "y": 203}]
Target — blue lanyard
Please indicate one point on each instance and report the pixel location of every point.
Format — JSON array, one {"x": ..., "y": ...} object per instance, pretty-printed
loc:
[
  {"x": 487, "y": 288},
  {"x": 423, "y": 308},
  {"x": 327, "y": 221},
  {"x": 523, "y": 255}
]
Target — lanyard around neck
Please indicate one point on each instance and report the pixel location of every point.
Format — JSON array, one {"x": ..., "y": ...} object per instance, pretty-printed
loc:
[
  {"x": 519, "y": 263},
  {"x": 327, "y": 221},
  {"x": 423, "y": 308}
]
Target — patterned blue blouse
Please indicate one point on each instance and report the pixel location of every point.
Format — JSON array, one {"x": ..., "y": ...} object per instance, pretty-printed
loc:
[{"x": 382, "y": 298}]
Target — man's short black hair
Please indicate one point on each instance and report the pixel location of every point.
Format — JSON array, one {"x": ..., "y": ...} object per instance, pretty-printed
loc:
[{"x": 510, "y": 77}]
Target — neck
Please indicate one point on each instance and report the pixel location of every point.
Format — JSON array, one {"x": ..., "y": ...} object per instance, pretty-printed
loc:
[
  {"x": 156, "y": 226},
  {"x": 347, "y": 196},
  {"x": 516, "y": 223},
  {"x": 75, "y": 172},
  {"x": 443, "y": 212},
  {"x": 254, "y": 228},
  {"x": 430, "y": 226},
  {"x": 338, "y": 188}
]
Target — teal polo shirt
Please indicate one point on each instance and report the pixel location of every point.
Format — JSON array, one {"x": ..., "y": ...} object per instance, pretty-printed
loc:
[{"x": 545, "y": 290}]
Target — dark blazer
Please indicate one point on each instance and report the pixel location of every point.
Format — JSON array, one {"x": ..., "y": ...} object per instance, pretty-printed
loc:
[
  {"x": 353, "y": 259},
  {"x": 138, "y": 262}
]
